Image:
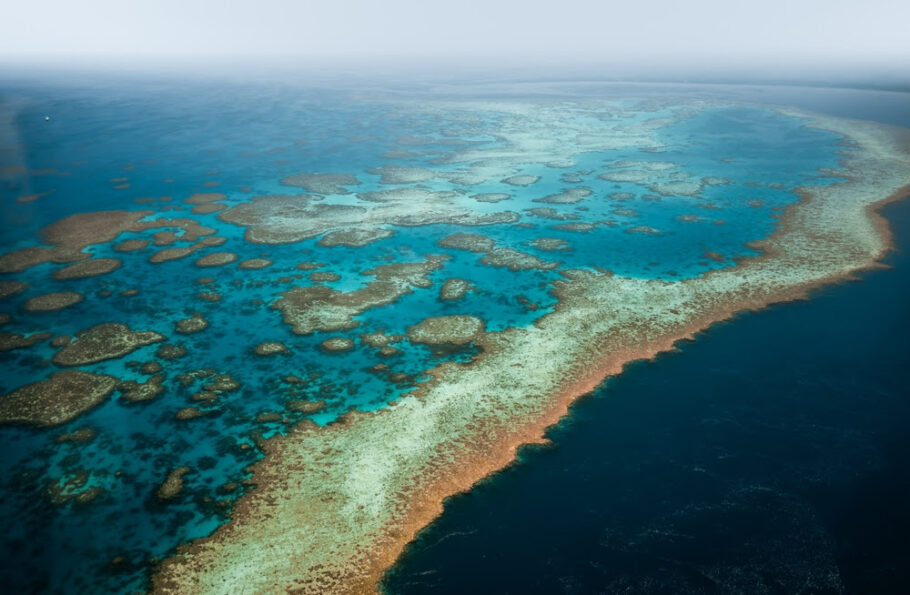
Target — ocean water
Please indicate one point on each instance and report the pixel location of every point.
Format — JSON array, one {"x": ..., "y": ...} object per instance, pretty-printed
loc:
[
  {"x": 767, "y": 456},
  {"x": 111, "y": 142}
]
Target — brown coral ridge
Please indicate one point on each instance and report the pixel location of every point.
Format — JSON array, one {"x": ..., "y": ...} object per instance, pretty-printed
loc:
[
  {"x": 550, "y": 244},
  {"x": 320, "y": 308},
  {"x": 109, "y": 340},
  {"x": 80, "y": 436},
  {"x": 193, "y": 324},
  {"x": 457, "y": 329},
  {"x": 522, "y": 180},
  {"x": 204, "y": 198},
  {"x": 67, "y": 238},
  {"x": 11, "y": 288},
  {"x": 470, "y": 242},
  {"x": 169, "y": 351},
  {"x": 192, "y": 230},
  {"x": 139, "y": 392},
  {"x": 551, "y": 213},
  {"x": 51, "y": 302},
  {"x": 337, "y": 345},
  {"x": 569, "y": 196},
  {"x": 271, "y": 348},
  {"x": 253, "y": 264},
  {"x": 355, "y": 238},
  {"x": 514, "y": 260},
  {"x": 56, "y": 400},
  {"x": 216, "y": 259},
  {"x": 454, "y": 289},
  {"x": 379, "y": 339},
  {"x": 208, "y": 209},
  {"x": 88, "y": 268},
  {"x": 131, "y": 245},
  {"x": 184, "y": 251},
  {"x": 172, "y": 486},
  {"x": 10, "y": 341},
  {"x": 72, "y": 489},
  {"x": 323, "y": 183},
  {"x": 491, "y": 197},
  {"x": 285, "y": 219}
]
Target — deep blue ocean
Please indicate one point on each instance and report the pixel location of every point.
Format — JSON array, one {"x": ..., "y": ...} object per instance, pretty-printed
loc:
[
  {"x": 771, "y": 455},
  {"x": 771, "y": 462}
]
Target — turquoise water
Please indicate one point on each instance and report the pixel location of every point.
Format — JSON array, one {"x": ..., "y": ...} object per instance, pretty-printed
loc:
[{"x": 175, "y": 138}]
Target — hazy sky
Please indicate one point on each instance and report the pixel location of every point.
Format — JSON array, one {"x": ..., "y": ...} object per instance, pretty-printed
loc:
[{"x": 592, "y": 29}]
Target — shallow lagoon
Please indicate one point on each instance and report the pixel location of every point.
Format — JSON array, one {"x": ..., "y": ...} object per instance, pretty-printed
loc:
[{"x": 108, "y": 145}]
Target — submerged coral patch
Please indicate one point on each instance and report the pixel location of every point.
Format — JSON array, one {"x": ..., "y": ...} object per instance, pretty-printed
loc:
[
  {"x": 457, "y": 329},
  {"x": 68, "y": 237},
  {"x": 355, "y": 238},
  {"x": 551, "y": 213},
  {"x": 10, "y": 341},
  {"x": 397, "y": 174},
  {"x": 283, "y": 219},
  {"x": 203, "y": 198},
  {"x": 491, "y": 197},
  {"x": 471, "y": 242},
  {"x": 50, "y": 302},
  {"x": 521, "y": 180},
  {"x": 11, "y": 288},
  {"x": 578, "y": 226},
  {"x": 306, "y": 407},
  {"x": 88, "y": 268},
  {"x": 131, "y": 245},
  {"x": 323, "y": 276},
  {"x": 80, "y": 436},
  {"x": 549, "y": 244},
  {"x": 109, "y": 340},
  {"x": 193, "y": 324},
  {"x": 209, "y": 208},
  {"x": 323, "y": 183},
  {"x": 379, "y": 339},
  {"x": 271, "y": 348},
  {"x": 254, "y": 264},
  {"x": 137, "y": 392},
  {"x": 634, "y": 176},
  {"x": 216, "y": 259},
  {"x": 337, "y": 344},
  {"x": 645, "y": 229},
  {"x": 516, "y": 260},
  {"x": 569, "y": 196},
  {"x": 320, "y": 308},
  {"x": 677, "y": 188},
  {"x": 62, "y": 397},
  {"x": 172, "y": 486},
  {"x": 454, "y": 289},
  {"x": 170, "y": 351},
  {"x": 73, "y": 488},
  {"x": 497, "y": 257}
]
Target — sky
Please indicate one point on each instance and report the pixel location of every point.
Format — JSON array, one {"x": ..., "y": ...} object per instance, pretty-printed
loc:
[{"x": 599, "y": 31}]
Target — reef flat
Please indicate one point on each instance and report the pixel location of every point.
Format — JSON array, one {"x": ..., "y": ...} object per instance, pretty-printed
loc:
[{"x": 358, "y": 491}]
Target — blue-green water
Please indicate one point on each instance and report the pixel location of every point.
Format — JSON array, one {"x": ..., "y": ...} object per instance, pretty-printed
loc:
[{"x": 175, "y": 138}]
